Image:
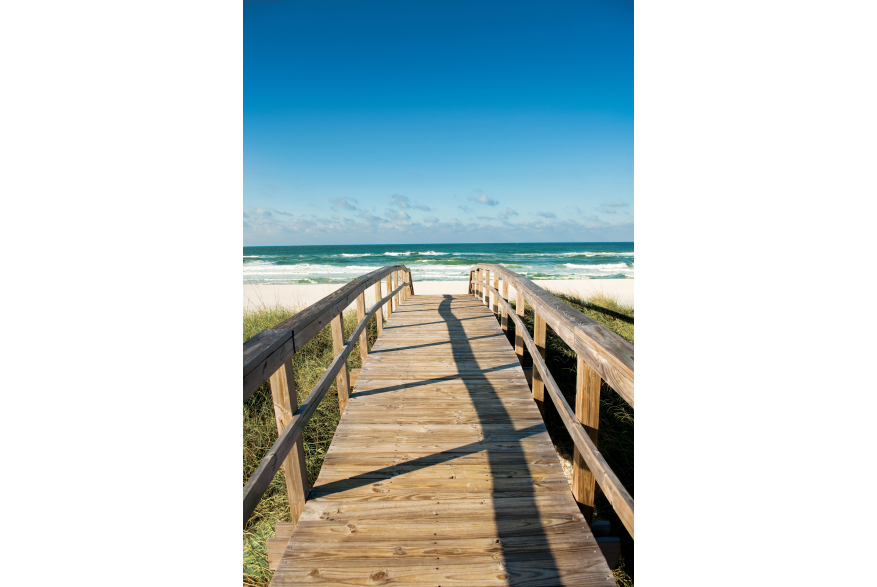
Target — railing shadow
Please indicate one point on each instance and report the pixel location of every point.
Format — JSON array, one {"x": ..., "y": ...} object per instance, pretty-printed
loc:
[{"x": 490, "y": 410}]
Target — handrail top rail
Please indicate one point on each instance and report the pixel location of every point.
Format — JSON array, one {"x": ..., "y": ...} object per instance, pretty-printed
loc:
[
  {"x": 301, "y": 319},
  {"x": 263, "y": 352},
  {"x": 606, "y": 352}
]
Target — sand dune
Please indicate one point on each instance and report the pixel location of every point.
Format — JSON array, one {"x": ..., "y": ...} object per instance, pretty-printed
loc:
[{"x": 305, "y": 294}]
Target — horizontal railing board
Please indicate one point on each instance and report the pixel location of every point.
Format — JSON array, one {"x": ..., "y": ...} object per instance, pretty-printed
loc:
[
  {"x": 265, "y": 362},
  {"x": 265, "y": 352},
  {"x": 312, "y": 319},
  {"x": 271, "y": 463},
  {"x": 263, "y": 344},
  {"x": 615, "y": 492},
  {"x": 607, "y": 353}
]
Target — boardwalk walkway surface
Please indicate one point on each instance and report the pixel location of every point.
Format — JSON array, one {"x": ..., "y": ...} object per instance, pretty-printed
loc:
[{"x": 441, "y": 471}]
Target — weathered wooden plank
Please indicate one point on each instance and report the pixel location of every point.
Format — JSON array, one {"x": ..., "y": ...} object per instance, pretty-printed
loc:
[
  {"x": 588, "y": 413},
  {"x": 539, "y": 336},
  {"x": 607, "y": 353},
  {"x": 264, "y": 353},
  {"x": 379, "y": 317},
  {"x": 295, "y": 472},
  {"x": 615, "y": 492},
  {"x": 342, "y": 380},
  {"x": 441, "y": 443},
  {"x": 363, "y": 338}
]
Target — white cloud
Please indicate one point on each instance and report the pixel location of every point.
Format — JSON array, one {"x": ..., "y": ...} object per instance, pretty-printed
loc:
[{"x": 484, "y": 199}]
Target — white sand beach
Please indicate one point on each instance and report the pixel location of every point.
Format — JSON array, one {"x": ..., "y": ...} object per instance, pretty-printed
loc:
[{"x": 302, "y": 295}]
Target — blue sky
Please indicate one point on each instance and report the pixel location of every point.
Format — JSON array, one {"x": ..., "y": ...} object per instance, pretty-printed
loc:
[{"x": 419, "y": 122}]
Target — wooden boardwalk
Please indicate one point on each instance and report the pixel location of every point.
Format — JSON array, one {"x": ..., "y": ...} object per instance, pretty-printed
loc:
[{"x": 441, "y": 471}]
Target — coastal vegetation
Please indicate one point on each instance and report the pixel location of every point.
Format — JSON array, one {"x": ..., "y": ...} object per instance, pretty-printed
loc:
[{"x": 260, "y": 430}]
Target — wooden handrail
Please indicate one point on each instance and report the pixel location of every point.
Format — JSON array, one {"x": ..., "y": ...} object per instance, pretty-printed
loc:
[
  {"x": 276, "y": 346},
  {"x": 268, "y": 350},
  {"x": 604, "y": 351},
  {"x": 615, "y": 492}
]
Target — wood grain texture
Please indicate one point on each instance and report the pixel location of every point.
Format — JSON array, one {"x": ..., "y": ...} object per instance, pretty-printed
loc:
[
  {"x": 295, "y": 472},
  {"x": 615, "y": 492},
  {"x": 520, "y": 307},
  {"x": 496, "y": 288},
  {"x": 504, "y": 321},
  {"x": 389, "y": 289},
  {"x": 271, "y": 462},
  {"x": 588, "y": 413},
  {"x": 607, "y": 353},
  {"x": 363, "y": 338},
  {"x": 485, "y": 290},
  {"x": 539, "y": 336},
  {"x": 441, "y": 471},
  {"x": 343, "y": 378},
  {"x": 379, "y": 317},
  {"x": 268, "y": 350}
]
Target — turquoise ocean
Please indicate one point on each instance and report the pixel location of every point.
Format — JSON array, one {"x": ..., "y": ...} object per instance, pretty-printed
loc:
[{"x": 432, "y": 262}]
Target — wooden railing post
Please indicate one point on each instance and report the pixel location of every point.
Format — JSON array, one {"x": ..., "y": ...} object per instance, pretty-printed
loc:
[
  {"x": 496, "y": 287},
  {"x": 505, "y": 313},
  {"x": 539, "y": 332},
  {"x": 390, "y": 303},
  {"x": 294, "y": 467},
  {"x": 395, "y": 285},
  {"x": 477, "y": 291},
  {"x": 519, "y": 310},
  {"x": 363, "y": 337},
  {"x": 343, "y": 377},
  {"x": 486, "y": 291},
  {"x": 379, "y": 317},
  {"x": 471, "y": 281},
  {"x": 588, "y": 413}
]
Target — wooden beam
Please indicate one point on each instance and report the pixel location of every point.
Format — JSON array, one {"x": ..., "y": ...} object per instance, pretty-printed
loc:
[
  {"x": 379, "y": 317},
  {"x": 504, "y": 321},
  {"x": 395, "y": 285},
  {"x": 343, "y": 379},
  {"x": 271, "y": 462},
  {"x": 607, "y": 353},
  {"x": 294, "y": 467},
  {"x": 614, "y": 491},
  {"x": 588, "y": 413},
  {"x": 363, "y": 338},
  {"x": 389, "y": 289},
  {"x": 496, "y": 287},
  {"x": 520, "y": 306},
  {"x": 264, "y": 353},
  {"x": 539, "y": 332},
  {"x": 486, "y": 291}
]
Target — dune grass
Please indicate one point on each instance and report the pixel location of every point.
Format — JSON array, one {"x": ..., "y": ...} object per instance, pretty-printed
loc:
[
  {"x": 615, "y": 439},
  {"x": 260, "y": 431}
]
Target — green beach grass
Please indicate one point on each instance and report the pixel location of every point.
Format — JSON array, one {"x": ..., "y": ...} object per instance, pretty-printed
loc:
[{"x": 260, "y": 431}]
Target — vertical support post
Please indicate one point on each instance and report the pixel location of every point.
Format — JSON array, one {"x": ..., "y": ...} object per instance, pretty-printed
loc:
[
  {"x": 588, "y": 413},
  {"x": 410, "y": 283},
  {"x": 379, "y": 315},
  {"x": 504, "y": 321},
  {"x": 390, "y": 303},
  {"x": 363, "y": 337},
  {"x": 539, "y": 339},
  {"x": 343, "y": 377},
  {"x": 496, "y": 287},
  {"x": 471, "y": 281},
  {"x": 395, "y": 285},
  {"x": 478, "y": 282},
  {"x": 519, "y": 310},
  {"x": 486, "y": 291},
  {"x": 294, "y": 467}
]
